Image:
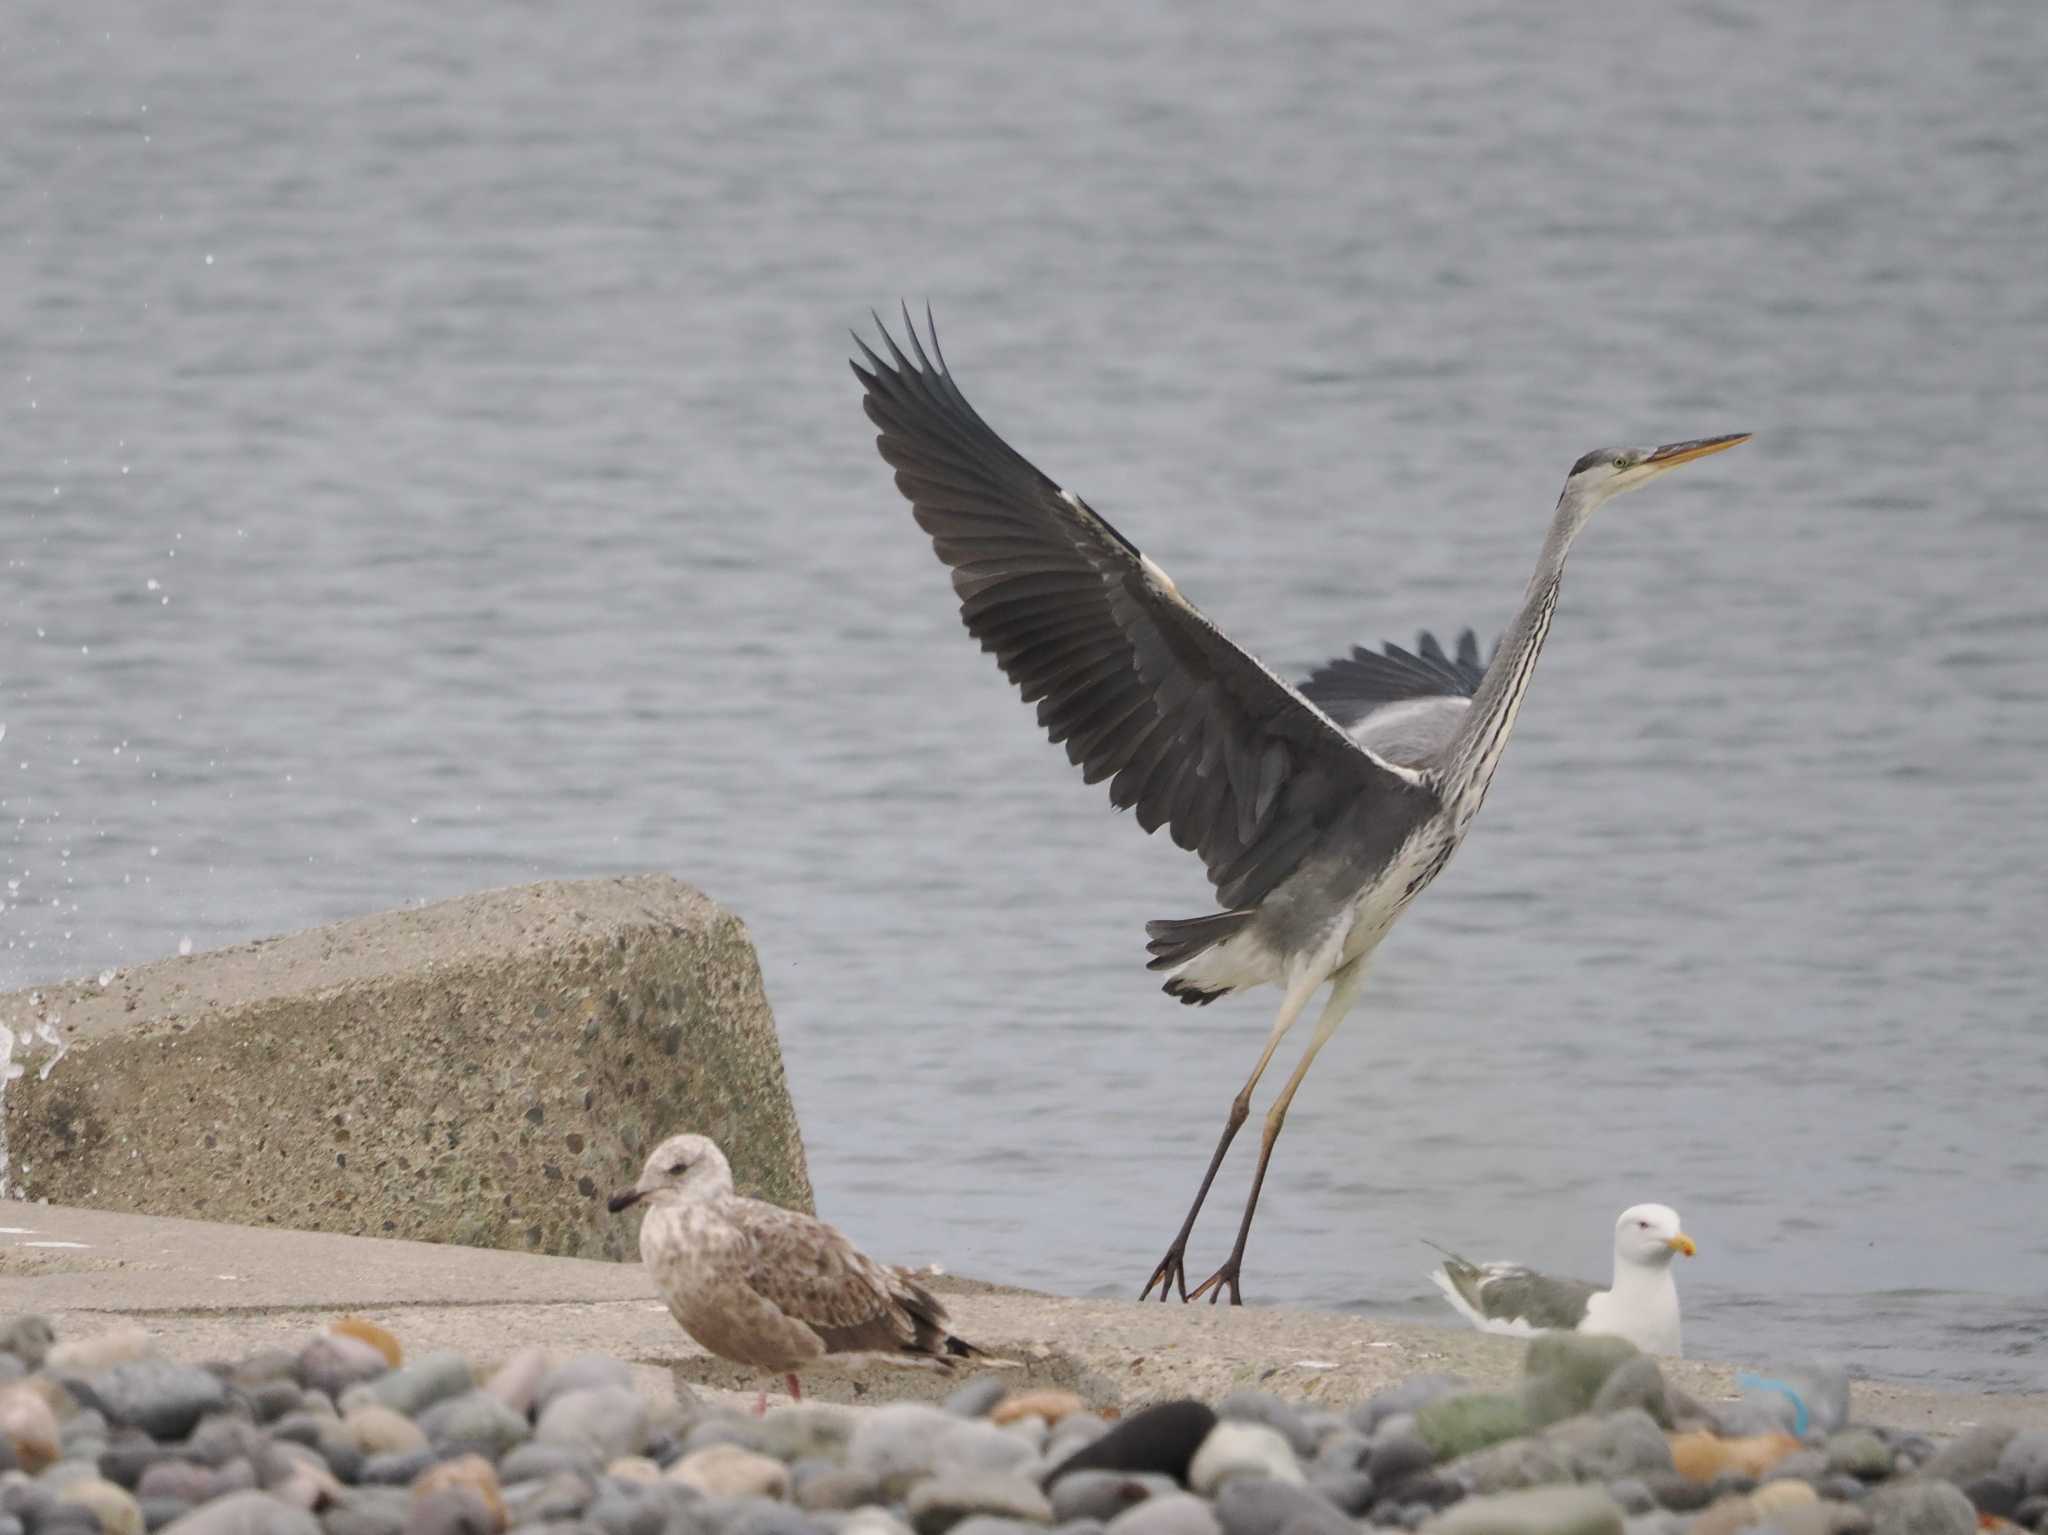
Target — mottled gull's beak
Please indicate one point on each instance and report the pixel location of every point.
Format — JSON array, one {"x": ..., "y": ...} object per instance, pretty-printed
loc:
[
  {"x": 1678, "y": 1244},
  {"x": 1672, "y": 454},
  {"x": 625, "y": 1199}
]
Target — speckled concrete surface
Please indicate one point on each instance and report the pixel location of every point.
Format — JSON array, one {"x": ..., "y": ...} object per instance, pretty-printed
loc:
[{"x": 460, "y": 1072}]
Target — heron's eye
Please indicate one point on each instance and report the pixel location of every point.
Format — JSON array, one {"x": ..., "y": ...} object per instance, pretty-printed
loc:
[{"x": 1644, "y": 1224}]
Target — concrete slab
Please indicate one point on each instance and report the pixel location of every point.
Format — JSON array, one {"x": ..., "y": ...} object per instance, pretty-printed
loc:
[
  {"x": 215, "y": 1291},
  {"x": 452, "y": 1073}
]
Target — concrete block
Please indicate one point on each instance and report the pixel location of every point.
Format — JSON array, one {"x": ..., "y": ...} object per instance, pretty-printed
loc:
[{"x": 483, "y": 1071}]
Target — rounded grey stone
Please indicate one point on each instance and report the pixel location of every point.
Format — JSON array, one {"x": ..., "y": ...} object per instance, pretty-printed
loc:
[
  {"x": 412, "y": 1388},
  {"x": 1397, "y": 1456},
  {"x": 159, "y": 1397},
  {"x": 1282, "y": 1417},
  {"x": 2026, "y": 1456},
  {"x": 1859, "y": 1452},
  {"x": 1262, "y": 1505},
  {"x": 1102, "y": 1495},
  {"x": 978, "y": 1397},
  {"x": 1633, "y": 1494},
  {"x": 1176, "y": 1513},
  {"x": 475, "y": 1418},
  {"x": 534, "y": 1462},
  {"x": 1416, "y": 1392},
  {"x": 609, "y": 1421},
  {"x": 581, "y": 1373},
  {"x": 246, "y": 1513},
  {"x": 1351, "y": 1492},
  {"x": 1995, "y": 1492},
  {"x": 938, "y": 1503},
  {"x": 1921, "y": 1508}
]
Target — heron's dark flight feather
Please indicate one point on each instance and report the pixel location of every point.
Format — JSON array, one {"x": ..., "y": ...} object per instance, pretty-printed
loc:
[
  {"x": 1350, "y": 687},
  {"x": 1192, "y": 733}
]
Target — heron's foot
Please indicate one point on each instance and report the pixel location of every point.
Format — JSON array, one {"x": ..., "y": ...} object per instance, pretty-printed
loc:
[
  {"x": 1171, "y": 1274},
  {"x": 1216, "y": 1283}
]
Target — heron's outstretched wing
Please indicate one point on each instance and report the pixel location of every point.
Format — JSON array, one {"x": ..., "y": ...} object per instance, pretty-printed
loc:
[
  {"x": 1402, "y": 705},
  {"x": 1193, "y": 733}
]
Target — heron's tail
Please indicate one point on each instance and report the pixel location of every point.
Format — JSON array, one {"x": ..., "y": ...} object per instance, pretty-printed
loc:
[{"x": 1177, "y": 942}]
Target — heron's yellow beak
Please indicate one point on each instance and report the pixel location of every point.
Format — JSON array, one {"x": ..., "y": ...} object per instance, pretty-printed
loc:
[
  {"x": 1672, "y": 454},
  {"x": 1683, "y": 1243}
]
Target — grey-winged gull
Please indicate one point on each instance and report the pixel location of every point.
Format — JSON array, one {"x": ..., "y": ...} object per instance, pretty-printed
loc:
[
  {"x": 770, "y": 1288},
  {"x": 1641, "y": 1305}
]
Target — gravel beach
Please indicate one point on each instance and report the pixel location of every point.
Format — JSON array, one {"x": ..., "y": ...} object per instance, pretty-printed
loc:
[{"x": 352, "y": 1430}]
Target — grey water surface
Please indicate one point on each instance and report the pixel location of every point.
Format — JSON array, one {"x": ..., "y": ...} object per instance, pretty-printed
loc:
[{"x": 429, "y": 463}]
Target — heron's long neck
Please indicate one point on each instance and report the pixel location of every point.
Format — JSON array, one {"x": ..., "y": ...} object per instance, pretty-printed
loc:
[{"x": 1473, "y": 754}]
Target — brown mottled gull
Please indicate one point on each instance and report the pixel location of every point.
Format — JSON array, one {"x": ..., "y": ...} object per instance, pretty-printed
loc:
[{"x": 766, "y": 1287}]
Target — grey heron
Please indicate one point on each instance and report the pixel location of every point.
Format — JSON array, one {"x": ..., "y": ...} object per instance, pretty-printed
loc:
[{"x": 1319, "y": 812}]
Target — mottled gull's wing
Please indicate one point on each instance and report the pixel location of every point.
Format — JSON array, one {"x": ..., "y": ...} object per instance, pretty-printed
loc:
[
  {"x": 1507, "y": 1298},
  {"x": 1404, "y": 706},
  {"x": 810, "y": 1272},
  {"x": 1193, "y": 733}
]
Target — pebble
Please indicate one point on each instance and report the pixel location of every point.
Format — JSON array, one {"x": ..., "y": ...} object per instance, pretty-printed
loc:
[
  {"x": 1703, "y": 1456},
  {"x": 728, "y": 1471},
  {"x": 333, "y": 1362},
  {"x": 363, "y": 1330},
  {"x": 1972, "y": 1453},
  {"x": 1262, "y": 1505},
  {"x": 1350, "y": 1492},
  {"x": 1051, "y": 1406},
  {"x": 28, "y": 1426},
  {"x": 1457, "y": 1425},
  {"x": 1538, "y": 1511},
  {"x": 1633, "y": 1494},
  {"x": 378, "y": 1430},
  {"x": 1102, "y": 1495},
  {"x": 451, "y": 1510},
  {"x": 28, "y": 1338},
  {"x": 517, "y": 1381},
  {"x": 1637, "y": 1382},
  {"x": 89, "y": 1356},
  {"x": 1564, "y": 1371},
  {"x": 1405, "y": 1399},
  {"x": 1860, "y": 1453},
  {"x": 1162, "y": 1438},
  {"x": 977, "y": 1397},
  {"x": 1531, "y": 1461},
  {"x": 1234, "y": 1449},
  {"x": 580, "y": 1374},
  {"x": 162, "y": 1398},
  {"x": 837, "y": 1489},
  {"x": 938, "y": 1503},
  {"x": 2025, "y": 1456},
  {"x": 470, "y": 1475},
  {"x": 532, "y": 1462},
  {"x": 245, "y": 1513},
  {"x": 1176, "y": 1513},
  {"x": 1397, "y": 1455},
  {"x": 413, "y": 1387},
  {"x": 1921, "y": 1508},
  {"x": 608, "y": 1421},
  {"x": 114, "y": 1507},
  {"x": 804, "y": 1430},
  {"x": 477, "y": 1419},
  {"x": 1282, "y": 1417}
]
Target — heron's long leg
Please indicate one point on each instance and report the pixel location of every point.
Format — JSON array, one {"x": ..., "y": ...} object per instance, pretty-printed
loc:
[
  {"x": 1343, "y": 993},
  {"x": 1171, "y": 1270}
]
